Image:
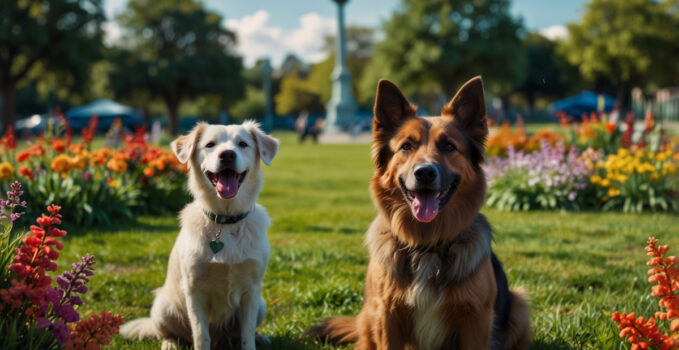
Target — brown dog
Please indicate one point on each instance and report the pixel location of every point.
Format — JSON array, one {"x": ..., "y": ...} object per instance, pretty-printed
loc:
[{"x": 433, "y": 281}]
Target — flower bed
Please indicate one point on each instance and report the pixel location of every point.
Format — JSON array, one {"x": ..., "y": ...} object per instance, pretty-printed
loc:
[
  {"x": 34, "y": 314},
  {"x": 94, "y": 185},
  {"x": 619, "y": 169}
]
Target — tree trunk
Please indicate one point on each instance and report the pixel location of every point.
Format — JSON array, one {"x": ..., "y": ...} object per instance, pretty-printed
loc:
[
  {"x": 173, "y": 111},
  {"x": 530, "y": 96},
  {"x": 7, "y": 106},
  {"x": 623, "y": 100}
]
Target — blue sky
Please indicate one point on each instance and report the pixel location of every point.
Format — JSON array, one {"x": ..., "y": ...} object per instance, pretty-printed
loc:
[{"x": 276, "y": 27}]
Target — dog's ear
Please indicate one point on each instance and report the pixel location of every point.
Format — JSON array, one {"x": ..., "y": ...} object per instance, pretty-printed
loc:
[
  {"x": 468, "y": 109},
  {"x": 267, "y": 145},
  {"x": 390, "y": 111},
  {"x": 183, "y": 146}
]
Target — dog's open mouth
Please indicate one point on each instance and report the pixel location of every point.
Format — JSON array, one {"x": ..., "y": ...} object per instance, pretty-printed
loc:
[
  {"x": 226, "y": 182},
  {"x": 426, "y": 203}
]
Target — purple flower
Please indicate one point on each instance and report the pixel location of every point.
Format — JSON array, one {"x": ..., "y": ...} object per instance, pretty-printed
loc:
[
  {"x": 60, "y": 331},
  {"x": 13, "y": 200},
  {"x": 62, "y": 299},
  {"x": 550, "y": 170}
]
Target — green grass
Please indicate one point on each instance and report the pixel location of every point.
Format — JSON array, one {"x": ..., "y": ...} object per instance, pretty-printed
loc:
[{"x": 576, "y": 267}]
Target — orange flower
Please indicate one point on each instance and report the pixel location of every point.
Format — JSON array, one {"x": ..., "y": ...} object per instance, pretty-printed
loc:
[
  {"x": 26, "y": 172},
  {"x": 99, "y": 156},
  {"x": 36, "y": 150},
  {"x": 610, "y": 127},
  {"x": 23, "y": 155},
  {"x": 117, "y": 165},
  {"x": 112, "y": 182},
  {"x": 61, "y": 163},
  {"x": 149, "y": 172},
  {"x": 59, "y": 145},
  {"x": 76, "y": 149}
]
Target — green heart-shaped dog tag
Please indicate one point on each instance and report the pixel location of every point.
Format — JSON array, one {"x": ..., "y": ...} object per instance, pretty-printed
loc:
[{"x": 216, "y": 246}]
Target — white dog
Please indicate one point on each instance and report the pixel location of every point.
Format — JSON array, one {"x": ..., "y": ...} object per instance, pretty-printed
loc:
[{"x": 212, "y": 292}]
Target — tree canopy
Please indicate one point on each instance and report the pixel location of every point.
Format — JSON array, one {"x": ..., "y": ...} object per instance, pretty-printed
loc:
[
  {"x": 628, "y": 43},
  {"x": 61, "y": 36},
  {"x": 439, "y": 44},
  {"x": 178, "y": 50}
]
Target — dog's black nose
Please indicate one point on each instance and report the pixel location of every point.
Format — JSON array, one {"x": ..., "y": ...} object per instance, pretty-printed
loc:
[
  {"x": 228, "y": 155},
  {"x": 426, "y": 173}
]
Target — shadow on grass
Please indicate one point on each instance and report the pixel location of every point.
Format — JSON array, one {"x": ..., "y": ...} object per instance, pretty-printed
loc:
[{"x": 145, "y": 224}]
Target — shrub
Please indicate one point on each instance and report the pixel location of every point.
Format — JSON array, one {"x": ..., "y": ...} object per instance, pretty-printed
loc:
[{"x": 95, "y": 185}]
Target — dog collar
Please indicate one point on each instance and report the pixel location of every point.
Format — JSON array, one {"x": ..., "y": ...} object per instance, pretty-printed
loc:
[{"x": 225, "y": 219}]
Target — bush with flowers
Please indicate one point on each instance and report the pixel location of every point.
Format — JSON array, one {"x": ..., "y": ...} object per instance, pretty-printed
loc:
[
  {"x": 34, "y": 313},
  {"x": 94, "y": 185},
  {"x": 549, "y": 178},
  {"x": 648, "y": 334},
  {"x": 619, "y": 170}
]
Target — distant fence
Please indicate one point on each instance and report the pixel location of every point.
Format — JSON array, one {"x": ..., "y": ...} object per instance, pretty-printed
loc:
[{"x": 665, "y": 105}]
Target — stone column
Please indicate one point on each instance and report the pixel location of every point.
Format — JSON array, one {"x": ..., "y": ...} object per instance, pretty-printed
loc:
[
  {"x": 268, "y": 117},
  {"x": 341, "y": 108}
]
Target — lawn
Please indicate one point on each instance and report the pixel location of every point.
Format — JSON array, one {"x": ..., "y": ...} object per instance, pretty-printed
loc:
[{"x": 577, "y": 267}]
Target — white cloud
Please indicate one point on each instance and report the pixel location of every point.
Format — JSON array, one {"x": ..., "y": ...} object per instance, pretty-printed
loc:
[
  {"x": 555, "y": 32},
  {"x": 257, "y": 38}
]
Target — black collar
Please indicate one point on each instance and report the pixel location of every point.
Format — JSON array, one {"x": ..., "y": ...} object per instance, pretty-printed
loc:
[{"x": 224, "y": 219}]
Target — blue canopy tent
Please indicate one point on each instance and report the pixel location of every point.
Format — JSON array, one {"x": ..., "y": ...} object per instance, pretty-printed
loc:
[
  {"x": 107, "y": 111},
  {"x": 584, "y": 102}
]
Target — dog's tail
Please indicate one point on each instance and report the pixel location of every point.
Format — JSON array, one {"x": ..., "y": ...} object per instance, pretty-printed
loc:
[
  {"x": 518, "y": 333},
  {"x": 139, "y": 329},
  {"x": 338, "y": 330}
]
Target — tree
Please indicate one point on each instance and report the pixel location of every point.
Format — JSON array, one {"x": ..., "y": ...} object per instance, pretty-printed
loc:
[
  {"x": 439, "y": 44},
  {"x": 62, "y": 36},
  {"x": 625, "y": 42},
  {"x": 179, "y": 51},
  {"x": 547, "y": 71}
]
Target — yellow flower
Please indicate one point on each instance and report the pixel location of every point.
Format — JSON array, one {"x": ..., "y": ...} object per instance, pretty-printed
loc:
[
  {"x": 613, "y": 192},
  {"x": 605, "y": 182},
  {"x": 595, "y": 179},
  {"x": 6, "y": 171},
  {"x": 61, "y": 163},
  {"x": 622, "y": 178},
  {"x": 112, "y": 182},
  {"x": 668, "y": 169}
]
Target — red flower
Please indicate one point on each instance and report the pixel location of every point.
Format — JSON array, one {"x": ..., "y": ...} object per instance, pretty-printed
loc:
[
  {"x": 59, "y": 145},
  {"x": 33, "y": 258},
  {"x": 89, "y": 131},
  {"x": 26, "y": 172},
  {"x": 23, "y": 155},
  {"x": 95, "y": 331},
  {"x": 9, "y": 140}
]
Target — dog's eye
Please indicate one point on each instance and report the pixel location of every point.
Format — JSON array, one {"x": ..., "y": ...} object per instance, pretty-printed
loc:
[
  {"x": 406, "y": 146},
  {"x": 449, "y": 147},
  {"x": 242, "y": 144},
  {"x": 210, "y": 145}
]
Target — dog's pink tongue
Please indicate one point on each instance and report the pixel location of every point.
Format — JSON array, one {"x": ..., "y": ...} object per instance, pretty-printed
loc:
[
  {"x": 425, "y": 205},
  {"x": 227, "y": 184}
]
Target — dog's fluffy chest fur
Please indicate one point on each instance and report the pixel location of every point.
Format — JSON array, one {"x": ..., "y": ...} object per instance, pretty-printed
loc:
[
  {"x": 424, "y": 274},
  {"x": 223, "y": 277}
]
